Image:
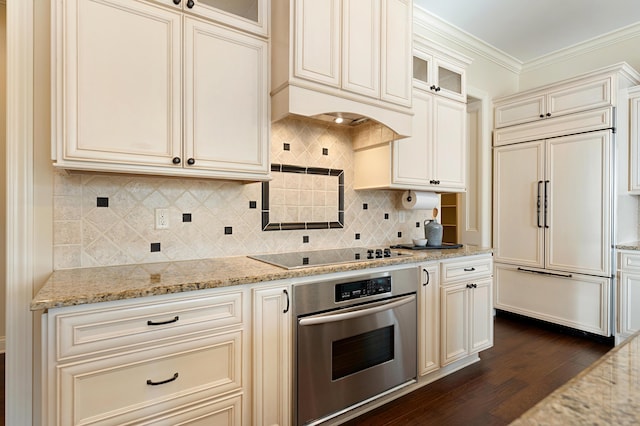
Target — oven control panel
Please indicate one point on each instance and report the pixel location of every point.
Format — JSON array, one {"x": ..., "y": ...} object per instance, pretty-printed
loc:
[{"x": 358, "y": 289}]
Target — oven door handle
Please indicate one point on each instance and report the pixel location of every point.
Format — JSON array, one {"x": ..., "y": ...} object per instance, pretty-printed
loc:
[{"x": 325, "y": 318}]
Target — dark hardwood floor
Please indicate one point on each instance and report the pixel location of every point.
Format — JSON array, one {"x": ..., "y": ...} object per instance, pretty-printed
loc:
[{"x": 527, "y": 362}]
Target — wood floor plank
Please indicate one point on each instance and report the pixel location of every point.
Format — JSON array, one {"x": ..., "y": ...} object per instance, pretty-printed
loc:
[{"x": 527, "y": 362}]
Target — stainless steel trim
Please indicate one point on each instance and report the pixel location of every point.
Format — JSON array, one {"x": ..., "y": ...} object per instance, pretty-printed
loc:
[{"x": 356, "y": 313}]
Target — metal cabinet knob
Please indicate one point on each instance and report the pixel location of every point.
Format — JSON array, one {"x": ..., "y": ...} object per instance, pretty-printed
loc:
[
  {"x": 176, "y": 160},
  {"x": 176, "y": 2},
  {"x": 190, "y": 4},
  {"x": 191, "y": 161}
]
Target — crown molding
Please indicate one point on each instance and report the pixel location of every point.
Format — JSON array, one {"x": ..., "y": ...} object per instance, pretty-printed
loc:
[
  {"x": 430, "y": 22},
  {"x": 596, "y": 43}
]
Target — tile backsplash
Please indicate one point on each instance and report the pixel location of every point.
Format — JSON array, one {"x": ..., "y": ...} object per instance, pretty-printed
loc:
[{"x": 103, "y": 219}]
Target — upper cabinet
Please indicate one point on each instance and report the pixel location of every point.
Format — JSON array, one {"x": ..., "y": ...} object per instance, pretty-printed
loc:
[
  {"x": 439, "y": 71},
  {"x": 248, "y": 15},
  {"x": 343, "y": 56},
  {"x": 433, "y": 158},
  {"x": 634, "y": 152},
  {"x": 144, "y": 88},
  {"x": 576, "y": 95}
]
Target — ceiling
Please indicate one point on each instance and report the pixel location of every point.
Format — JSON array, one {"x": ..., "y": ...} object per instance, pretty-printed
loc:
[{"x": 527, "y": 30}]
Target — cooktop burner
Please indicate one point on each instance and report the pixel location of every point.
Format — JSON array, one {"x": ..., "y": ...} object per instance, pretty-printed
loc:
[{"x": 304, "y": 259}]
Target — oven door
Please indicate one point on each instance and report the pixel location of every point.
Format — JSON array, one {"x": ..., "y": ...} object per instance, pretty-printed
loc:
[{"x": 348, "y": 356}]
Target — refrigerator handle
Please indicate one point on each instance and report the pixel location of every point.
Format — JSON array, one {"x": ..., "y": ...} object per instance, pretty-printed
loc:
[
  {"x": 539, "y": 204},
  {"x": 546, "y": 203}
]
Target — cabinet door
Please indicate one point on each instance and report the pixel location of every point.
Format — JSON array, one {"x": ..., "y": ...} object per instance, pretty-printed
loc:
[
  {"x": 634, "y": 177},
  {"x": 520, "y": 111},
  {"x": 518, "y": 222},
  {"x": 317, "y": 41},
  {"x": 396, "y": 46},
  {"x": 629, "y": 300},
  {"x": 449, "y": 141},
  {"x": 361, "y": 47},
  {"x": 226, "y": 100},
  {"x": 121, "y": 83},
  {"x": 578, "y": 97},
  {"x": 429, "y": 319},
  {"x": 412, "y": 156},
  {"x": 450, "y": 80},
  {"x": 271, "y": 356},
  {"x": 481, "y": 315},
  {"x": 454, "y": 323},
  {"x": 579, "y": 212}
]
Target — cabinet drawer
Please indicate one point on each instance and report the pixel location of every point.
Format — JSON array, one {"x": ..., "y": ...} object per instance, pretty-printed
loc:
[
  {"x": 629, "y": 261},
  {"x": 465, "y": 269},
  {"x": 126, "y": 325},
  {"x": 129, "y": 387}
]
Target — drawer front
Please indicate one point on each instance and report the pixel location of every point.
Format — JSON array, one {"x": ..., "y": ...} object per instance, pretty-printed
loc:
[
  {"x": 629, "y": 261},
  {"x": 118, "y": 327},
  {"x": 126, "y": 388},
  {"x": 465, "y": 269},
  {"x": 225, "y": 411}
]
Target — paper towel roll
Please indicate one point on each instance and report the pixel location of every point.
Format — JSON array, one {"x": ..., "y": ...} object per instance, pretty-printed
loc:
[{"x": 419, "y": 200}]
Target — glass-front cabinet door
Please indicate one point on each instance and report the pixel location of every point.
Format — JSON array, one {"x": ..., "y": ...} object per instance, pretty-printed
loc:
[
  {"x": 247, "y": 15},
  {"x": 449, "y": 80},
  {"x": 433, "y": 74}
]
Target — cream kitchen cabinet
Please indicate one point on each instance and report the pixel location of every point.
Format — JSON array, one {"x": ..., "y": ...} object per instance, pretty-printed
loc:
[
  {"x": 466, "y": 307},
  {"x": 343, "y": 56},
  {"x": 628, "y": 293},
  {"x": 433, "y": 158},
  {"x": 429, "y": 318},
  {"x": 272, "y": 349},
  {"x": 591, "y": 91},
  {"x": 247, "y": 15},
  {"x": 634, "y": 142},
  {"x": 439, "y": 70},
  {"x": 149, "y": 361},
  {"x": 146, "y": 89}
]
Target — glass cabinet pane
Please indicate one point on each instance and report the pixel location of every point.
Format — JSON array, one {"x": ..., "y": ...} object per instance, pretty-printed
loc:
[
  {"x": 420, "y": 69},
  {"x": 244, "y": 8},
  {"x": 449, "y": 80}
]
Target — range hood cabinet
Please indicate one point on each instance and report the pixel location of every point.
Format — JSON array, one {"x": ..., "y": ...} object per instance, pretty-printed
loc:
[{"x": 343, "y": 57}]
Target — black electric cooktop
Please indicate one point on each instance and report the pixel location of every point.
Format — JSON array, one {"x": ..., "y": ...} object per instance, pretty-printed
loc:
[{"x": 304, "y": 259}]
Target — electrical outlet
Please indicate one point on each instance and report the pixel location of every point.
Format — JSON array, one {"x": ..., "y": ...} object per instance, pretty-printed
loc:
[{"x": 162, "y": 219}]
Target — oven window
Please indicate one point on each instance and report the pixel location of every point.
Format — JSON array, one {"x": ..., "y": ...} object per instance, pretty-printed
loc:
[{"x": 357, "y": 353}]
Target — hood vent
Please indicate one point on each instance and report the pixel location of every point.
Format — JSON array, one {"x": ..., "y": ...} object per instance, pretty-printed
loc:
[{"x": 293, "y": 99}]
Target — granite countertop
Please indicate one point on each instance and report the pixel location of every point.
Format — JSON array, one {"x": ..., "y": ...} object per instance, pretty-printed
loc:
[
  {"x": 632, "y": 245},
  {"x": 70, "y": 287},
  {"x": 606, "y": 393}
]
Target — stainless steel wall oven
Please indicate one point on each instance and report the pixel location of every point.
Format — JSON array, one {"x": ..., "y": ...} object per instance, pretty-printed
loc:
[{"x": 355, "y": 341}]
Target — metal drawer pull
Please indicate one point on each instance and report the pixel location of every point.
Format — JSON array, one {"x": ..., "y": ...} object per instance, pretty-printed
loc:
[
  {"x": 152, "y": 383},
  {"x": 545, "y": 273},
  {"x": 175, "y": 319},
  {"x": 428, "y": 279},
  {"x": 286, "y": 293},
  {"x": 469, "y": 269},
  {"x": 385, "y": 306}
]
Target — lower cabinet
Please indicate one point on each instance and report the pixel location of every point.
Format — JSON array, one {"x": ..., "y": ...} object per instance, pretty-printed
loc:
[
  {"x": 272, "y": 352},
  {"x": 628, "y": 315},
  {"x": 466, "y": 307},
  {"x": 161, "y": 360},
  {"x": 429, "y": 319}
]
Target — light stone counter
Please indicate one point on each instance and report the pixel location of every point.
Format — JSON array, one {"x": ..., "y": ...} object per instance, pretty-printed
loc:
[
  {"x": 606, "y": 393},
  {"x": 91, "y": 285},
  {"x": 632, "y": 245}
]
